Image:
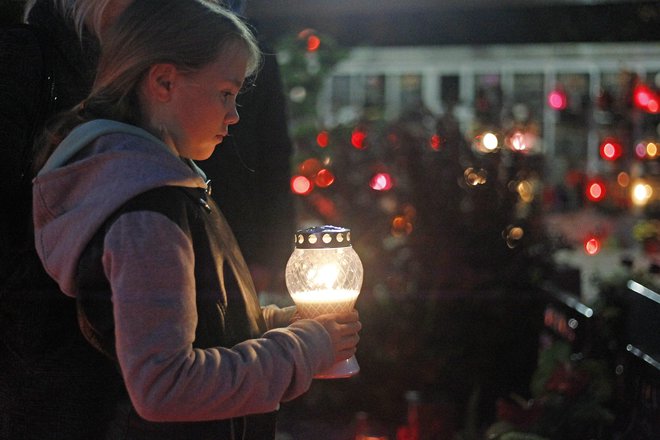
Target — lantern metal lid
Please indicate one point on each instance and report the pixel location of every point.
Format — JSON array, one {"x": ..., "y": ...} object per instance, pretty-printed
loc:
[{"x": 323, "y": 237}]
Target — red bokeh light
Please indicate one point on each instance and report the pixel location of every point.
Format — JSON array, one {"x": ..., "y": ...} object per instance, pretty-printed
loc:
[
  {"x": 646, "y": 99},
  {"x": 381, "y": 182},
  {"x": 358, "y": 138},
  {"x": 301, "y": 185},
  {"x": 324, "y": 178},
  {"x": 595, "y": 190},
  {"x": 322, "y": 139},
  {"x": 610, "y": 149},
  {"x": 309, "y": 167},
  {"x": 592, "y": 246},
  {"x": 313, "y": 43},
  {"x": 436, "y": 142},
  {"x": 557, "y": 99}
]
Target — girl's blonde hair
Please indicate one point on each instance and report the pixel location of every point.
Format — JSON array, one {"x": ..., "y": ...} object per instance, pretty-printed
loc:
[{"x": 187, "y": 33}]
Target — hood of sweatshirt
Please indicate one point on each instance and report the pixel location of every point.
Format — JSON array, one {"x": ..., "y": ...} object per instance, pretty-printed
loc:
[{"x": 98, "y": 167}]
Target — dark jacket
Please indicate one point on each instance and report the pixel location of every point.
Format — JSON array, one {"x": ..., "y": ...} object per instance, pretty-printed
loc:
[{"x": 50, "y": 378}]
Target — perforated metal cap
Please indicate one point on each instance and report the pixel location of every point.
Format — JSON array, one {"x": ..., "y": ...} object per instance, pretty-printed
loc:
[{"x": 323, "y": 237}]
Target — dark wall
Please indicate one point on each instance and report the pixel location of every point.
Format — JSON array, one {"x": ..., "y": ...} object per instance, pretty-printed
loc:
[{"x": 11, "y": 11}]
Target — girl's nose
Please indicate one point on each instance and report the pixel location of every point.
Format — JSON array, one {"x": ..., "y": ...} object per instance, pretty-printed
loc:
[{"x": 232, "y": 117}]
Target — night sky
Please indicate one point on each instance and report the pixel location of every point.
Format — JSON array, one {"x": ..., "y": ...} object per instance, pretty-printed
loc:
[{"x": 637, "y": 21}]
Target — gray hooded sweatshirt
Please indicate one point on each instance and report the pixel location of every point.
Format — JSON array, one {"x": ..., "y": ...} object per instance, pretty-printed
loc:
[{"x": 149, "y": 264}]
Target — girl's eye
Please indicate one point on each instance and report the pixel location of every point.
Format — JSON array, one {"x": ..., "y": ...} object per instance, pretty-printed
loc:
[{"x": 227, "y": 96}]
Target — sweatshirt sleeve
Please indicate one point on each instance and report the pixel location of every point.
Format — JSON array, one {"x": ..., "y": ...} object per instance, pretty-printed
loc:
[
  {"x": 276, "y": 317},
  {"x": 150, "y": 264}
]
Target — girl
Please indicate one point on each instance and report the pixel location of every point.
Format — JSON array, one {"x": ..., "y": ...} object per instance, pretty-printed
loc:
[{"x": 124, "y": 223}]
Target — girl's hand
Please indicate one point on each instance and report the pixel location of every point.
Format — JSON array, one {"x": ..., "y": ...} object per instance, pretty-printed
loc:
[{"x": 343, "y": 329}]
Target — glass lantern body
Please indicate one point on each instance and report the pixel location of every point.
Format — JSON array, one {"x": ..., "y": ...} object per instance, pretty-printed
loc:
[{"x": 325, "y": 280}]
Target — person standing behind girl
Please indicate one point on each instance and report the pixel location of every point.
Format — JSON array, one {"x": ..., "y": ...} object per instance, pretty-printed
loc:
[
  {"x": 124, "y": 224},
  {"x": 50, "y": 377}
]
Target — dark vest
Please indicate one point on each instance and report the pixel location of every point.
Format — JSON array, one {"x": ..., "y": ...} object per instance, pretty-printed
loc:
[{"x": 227, "y": 308}]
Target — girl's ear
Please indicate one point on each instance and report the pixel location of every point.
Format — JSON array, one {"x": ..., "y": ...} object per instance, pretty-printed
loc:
[{"x": 160, "y": 81}]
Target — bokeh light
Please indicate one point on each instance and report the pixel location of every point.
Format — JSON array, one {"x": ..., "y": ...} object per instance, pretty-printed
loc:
[
  {"x": 525, "y": 191},
  {"x": 313, "y": 43},
  {"x": 486, "y": 142},
  {"x": 513, "y": 235},
  {"x": 381, "y": 182},
  {"x": 358, "y": 138},
  {"x": 310, "y": 167},
  {"x": 301, "y": 185},
  {"x": 623, "y": 179},
  {"x": 592, "y": 246},
  {"x": 646, "y": 99},
  {"x": 322, "y": 139},
  {"x": 297, "y": 94},
  {"x": 640, "y": 150},
  {"x": 436, "y": 142},
  {"x": 474, "y": 177},
  {"x": 595, "y": 190},
  {"x": 520, "y": 141},
  {"x": 401, "y": 226},
  {"x": 641, "y": 193},
  {"x": 610, "y": 149},
  {"x": 324, "y": 178},
  {"x": 557, "y": 99}
]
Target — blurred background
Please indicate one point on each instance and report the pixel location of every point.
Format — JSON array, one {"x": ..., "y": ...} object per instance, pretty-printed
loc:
[{"x": 497, "y": 163}]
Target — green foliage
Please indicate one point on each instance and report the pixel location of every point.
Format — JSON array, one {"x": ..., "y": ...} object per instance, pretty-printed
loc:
[{"x": 303, "y": 71}]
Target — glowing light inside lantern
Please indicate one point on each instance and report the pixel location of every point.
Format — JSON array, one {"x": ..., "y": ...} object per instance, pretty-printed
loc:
[{"x": 324, "y": 275}]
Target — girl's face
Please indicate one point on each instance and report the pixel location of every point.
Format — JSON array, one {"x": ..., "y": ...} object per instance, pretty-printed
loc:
[{"x": 203, "y": 105}]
